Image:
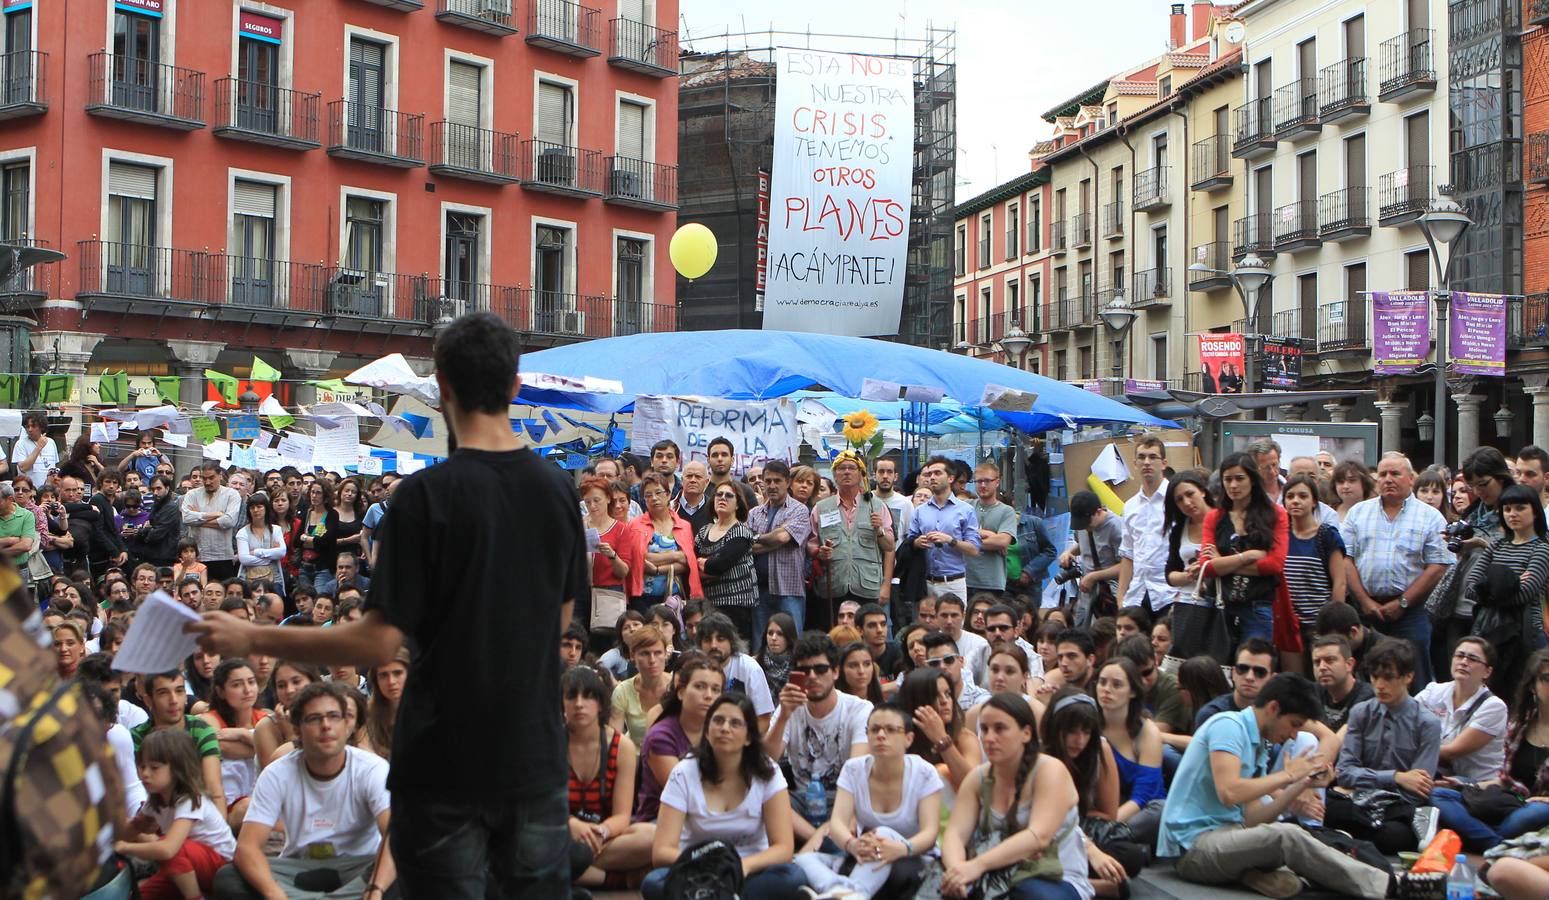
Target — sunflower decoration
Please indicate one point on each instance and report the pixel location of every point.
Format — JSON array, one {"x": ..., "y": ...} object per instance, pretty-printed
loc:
[{"x": 864, "y": 433}]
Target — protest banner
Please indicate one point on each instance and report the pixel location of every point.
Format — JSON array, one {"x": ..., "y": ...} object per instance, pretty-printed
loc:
[
  {"x": 759, "y": 430},
  {"x": 839, "y": 192},
  {"x": 1401, "y": 331},
  {"x": 1221, "y": 362},
  {"x": 1477, "y": 334}
]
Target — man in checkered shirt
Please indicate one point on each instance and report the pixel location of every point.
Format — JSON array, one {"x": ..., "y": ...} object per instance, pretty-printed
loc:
[{"x": 782, "y": 524}]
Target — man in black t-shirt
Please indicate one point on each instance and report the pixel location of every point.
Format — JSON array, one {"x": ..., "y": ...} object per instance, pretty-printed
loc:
[
  {"x": 1338, "y": 688},
  {"x": 442, "y": 583}
]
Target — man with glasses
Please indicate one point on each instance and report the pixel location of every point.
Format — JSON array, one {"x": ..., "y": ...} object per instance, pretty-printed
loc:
[
  {"x": 1000, "y": 628},
  {"x": 997, "y": 532},
  {"x": 852, "y": 537},
  {"x": 1256, "y": 661},
  {"x": 941, "y": 653},
  {"x": 817, "y": 727},
  {"x": 333, "y": 801},
  {"x": 1143, "y": 548}
]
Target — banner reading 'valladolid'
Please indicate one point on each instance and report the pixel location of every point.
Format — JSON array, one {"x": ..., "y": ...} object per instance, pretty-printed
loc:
[
  {"x": 1477, "y": 342},
  {"x": 839, "y": 194}
]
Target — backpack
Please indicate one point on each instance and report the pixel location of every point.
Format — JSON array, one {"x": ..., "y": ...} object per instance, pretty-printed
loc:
[
  {"x": 60, "y": 794},
  {"x": 711, "y": 870}
]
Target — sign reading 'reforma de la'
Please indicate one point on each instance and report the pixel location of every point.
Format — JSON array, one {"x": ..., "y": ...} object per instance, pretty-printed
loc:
[
  {"x": 839, "y": 192},
  {"x": 759, "y": 430}
]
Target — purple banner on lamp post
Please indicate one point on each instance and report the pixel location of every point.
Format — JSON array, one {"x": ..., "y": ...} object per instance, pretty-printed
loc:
[
  {"x": 1477, "y": 343},
  {"x": 1401, "y": 331}
]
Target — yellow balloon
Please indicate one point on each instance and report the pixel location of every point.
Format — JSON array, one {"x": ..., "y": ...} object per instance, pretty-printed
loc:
[
  {"x": 693, "y": 250},
  {"x": 1105, "y": 494}
]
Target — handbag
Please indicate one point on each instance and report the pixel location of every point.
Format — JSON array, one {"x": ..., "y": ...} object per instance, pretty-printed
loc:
[
  {"x": 38, "y": 568},
  {"x": 607, "y": 605},
  {"x": 1103, "y": 832},
  {"x": 1491, "y": 803}
]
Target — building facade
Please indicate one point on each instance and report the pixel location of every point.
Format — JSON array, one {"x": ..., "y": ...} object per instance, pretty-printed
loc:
[
  {"x": 330, "y": 180},
  {"x": 1000, "y": 260}
]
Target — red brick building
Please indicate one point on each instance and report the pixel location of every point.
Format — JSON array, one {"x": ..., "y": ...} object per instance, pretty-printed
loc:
[
  {"x": 332, "y": 178},
  {"x": 1001, "y": 270}
]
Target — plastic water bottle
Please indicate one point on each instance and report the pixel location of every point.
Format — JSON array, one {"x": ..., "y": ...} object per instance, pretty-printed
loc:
[
  {"x": 817, "y": 802},
  {"x": 1460, "y": 881}
]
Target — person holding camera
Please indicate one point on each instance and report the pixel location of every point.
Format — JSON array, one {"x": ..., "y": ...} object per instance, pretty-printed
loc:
[
  {"x": 1092, "y": 559},
  {"x": 1478, "y": 528}
]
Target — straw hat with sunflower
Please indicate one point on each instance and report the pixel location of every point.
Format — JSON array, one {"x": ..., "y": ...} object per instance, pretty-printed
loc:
[{"x": 862, "y": 430}]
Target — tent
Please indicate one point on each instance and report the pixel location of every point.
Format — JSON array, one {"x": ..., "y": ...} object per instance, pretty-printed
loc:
[{"x": 753, "y": 365}]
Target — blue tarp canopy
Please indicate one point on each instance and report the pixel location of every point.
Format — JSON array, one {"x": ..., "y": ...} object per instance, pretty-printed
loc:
[{"x": 759, "y": 365}]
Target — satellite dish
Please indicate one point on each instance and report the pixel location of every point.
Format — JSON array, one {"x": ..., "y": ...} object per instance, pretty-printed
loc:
[{"x": 1235, "y": 32}]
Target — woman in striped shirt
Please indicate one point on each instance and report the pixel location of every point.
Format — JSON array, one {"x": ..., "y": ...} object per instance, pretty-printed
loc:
[
  {"x": 1513, "y": 621},
  {"x": 1314, "y": 564}
]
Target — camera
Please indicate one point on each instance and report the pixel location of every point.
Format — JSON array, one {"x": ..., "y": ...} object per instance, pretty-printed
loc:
[
  {"x": 1456, "y": 534},
  {"x": 1069, "y": 573},
  {"x": 1237, "y": 543}
]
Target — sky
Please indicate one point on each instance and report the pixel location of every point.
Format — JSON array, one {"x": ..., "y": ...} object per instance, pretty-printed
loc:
[{"x": 1015, "y": 58}]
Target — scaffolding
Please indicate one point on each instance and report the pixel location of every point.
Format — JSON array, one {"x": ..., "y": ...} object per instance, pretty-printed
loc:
[{"x": 726, "y": 117}]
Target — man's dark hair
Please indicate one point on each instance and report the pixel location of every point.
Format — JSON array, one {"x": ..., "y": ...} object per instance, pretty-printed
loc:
[
  {"x": 1258, "y": 647},
  {"x": 34, "y": 417},
  {"x": 1080, "y": 638},
  {"x": 938, "y": 461},
  {"x": 1337, "y": 618},
  {"x": 666, "y": 444},
  {"x": 777, "y": 467},
  {"x": 315, "y": 690},
  {"x": 953, "y": 599},
  {"x": 152, "y": 678},
  {"x": 109, "y": 475},
  {"x": 631, "y": 461},
  {"x": 209, "y": 465},
  {"x": 1536, "y": 454},
  {"x": 477, "y": 356},
  {"x": 100, "y": 701},
  {"x": 1001, "y": 609},
  {"x": 1488, "y": 462},
  {"x": 97, "y": 668},
  {"x": 574, "y": 633},
  {"x": 813, "y": 643},
  {"x": 869, "y": 609},
  {"x": 1295, "y": 695},
  {"x": 232, "y": 604},
  {"x": 721, "y": 439},
  {"x": 1137, "y": 649},
  {"x": 716, "y": 624},
  {"x": 1337, "y": 641},
  {"x": 934, "y": 639},
  {"x": 1137, "y": 615},
  {"x": 1391, "y": 658}
]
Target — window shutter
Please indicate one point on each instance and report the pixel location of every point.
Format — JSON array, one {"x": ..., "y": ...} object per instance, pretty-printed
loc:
[
  {"x": 463, "y": 94},
  {"x": 631, "y": 131},
  {"x": 253, "y": 198},
  {"x": 553, "y": 113},
  {"x": 127, "y": 180},
  {"x": 632, "y": 10},
  {"x": 367, "y": 60}
]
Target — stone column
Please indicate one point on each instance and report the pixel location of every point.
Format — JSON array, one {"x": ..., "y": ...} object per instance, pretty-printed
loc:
[
  {"x": 1337, "y": 411},
  {"x": 1292, "y": 413},
  {"x": 189, "y": 360},
  {"x": 1468, "y": 424},
  {"x": 65, "y": 353},
  {"x": 1392, "y": 413},
  {"x": 1537, "y": 387},
  {"x": 308, "y": 365}
]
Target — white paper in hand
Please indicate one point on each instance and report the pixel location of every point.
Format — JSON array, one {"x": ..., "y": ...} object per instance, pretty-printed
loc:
[{"x": 155, "y": 641}]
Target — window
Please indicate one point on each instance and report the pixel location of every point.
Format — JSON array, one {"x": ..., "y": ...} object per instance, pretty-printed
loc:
[
  {"x": 960, "y": 251},
  {"x": 556, "y": 114},
  {"x": 258, "y": 72},
  {"x": 1159, "y": 356},
  {"x": 18, "y": 75},
  {"x": 1013, "y": 230},
  {"x": 367, "y": 97},
  {"x": 130, "y": 252},
  {"x": 1034, "y": 321},
  {"x": 629, "y": 303},
  {"x": 1084, "y": 355},
  {"x": 1159, "y": 247},
  {"x": 1061, "y": 365},
  {"x": 1034, "y": 224},
  {"x": 1417, "y": 270},
  {"x": 253, "y": 206},
  {"x": 1307, "y": 301},
  {"x": 1013, "y": 303},
  {"x": 463, "y": 241},
  {"x": 982, "y": 316},
  {"x": 960, "y": 319},
  {"x": 632, "y": 130},
  {"x": 554, "y": 303},
  {"x": 15, "y": 202},
  {"x": 136, "y": 52},
  {"x": 363, "y": 218},
  {"x": 1159, "y": 150},
  {"x": 984, "y": 241},
  {"x": 1164, "y": 86},
  {"x": 465, "y": 145}
]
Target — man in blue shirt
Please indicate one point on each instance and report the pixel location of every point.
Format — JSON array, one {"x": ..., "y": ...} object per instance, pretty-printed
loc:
[
  {"x": 1221, "y": 813},
  {"x": 947, "y": 529}
]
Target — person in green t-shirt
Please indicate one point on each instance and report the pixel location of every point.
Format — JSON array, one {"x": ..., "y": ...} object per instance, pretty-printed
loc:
[
  {"x": 167, "y": 696},
  {"x": 18, "y": 528},
  {"x": 997, "y": 532}
]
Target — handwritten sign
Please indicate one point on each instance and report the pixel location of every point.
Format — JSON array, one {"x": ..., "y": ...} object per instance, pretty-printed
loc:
[
  {"x": 839, "y": 192},
  {"x": 759, "y": 430}
]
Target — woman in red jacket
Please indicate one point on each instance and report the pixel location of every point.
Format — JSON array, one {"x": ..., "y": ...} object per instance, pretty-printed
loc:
[
  {"x": 658, "y": 546},
  {"x": 1244, "y": 551}
]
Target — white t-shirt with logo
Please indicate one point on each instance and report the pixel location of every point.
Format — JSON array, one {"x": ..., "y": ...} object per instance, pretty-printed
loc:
[
  {"x": 819, "y": 748},
  {"x": 210, "y": 828},
  {"x": 1483, "y": 711},
  {"x": 340, "y": 813}
]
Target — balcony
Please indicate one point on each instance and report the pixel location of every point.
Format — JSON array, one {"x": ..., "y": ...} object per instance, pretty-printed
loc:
[
  {"x": 1296, "y": 110},
  {"x": 562, "y": 316},
  {"x": 1113, "y": 220},
  {"x": 22, "y": 84},
  {"x": 1057, "y": 237},
  {"x": 1345, "y": 215},
  {"x": 642, "y": 48},
  {"x": 1527, "y": 322},
  {"x": 1407, "y": 66},
  {"x": 253, "y": 287},
  {"x": 564, "y": 27},
  {"x": 1212, "y": 164},
  {"x": 400, "y": 5},
  {"x": 373, "y": 134},
  {"x": 473, "y": 154},
  {"x": 1081, "y": 230},
  {"x": 111, "y": 269},
  {"x": 264, "y": 114},
  {"x": 1254, "y": 234},
  {"x": 1538, "y": 156},
  {"x": 139, "y": 90},
  {"x": 34, "y": 283},
  {"x": 1255, "y": 134},
  {"x": 1404, "y": 195},
  {"x": 1342, "y": 326},
  {"x": 1152, "y": 287},
  {"x": 1080, "y": 312},
  {"x": 1216, "y": 255},
  {"x": 641, "y": 184},
  {"x": 1151, "y": 189},
  {"x": 1342, "y": 91},
  {"x": 986, "y": 330},
  {"x": 1537, "y": 12},
  {"x": 561, "y": 169},
  {"x": 489, "y": 16},
  {"x": 1296, "y": 227}
]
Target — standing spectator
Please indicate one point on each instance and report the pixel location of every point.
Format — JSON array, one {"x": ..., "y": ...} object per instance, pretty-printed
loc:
[
  {"x": 665, "y": 458},
  {"x": 1188, "y": 505},
  {"x": 372, "y": 522},
  {"x": 819, "y": 727},
  {"x": 658, "y": 547},
  {"x": 84, "y": 461},
  {"x": 1353, "y": 483},
  {"x": 1509, "y": 582},
  {"x": 692, "y": 504},
  {"x": 608, "y": 568},
  {"x": 144, "y": 458},
  {"x": 1314, "y": 563},
  {"x": 212, "y": 512},
  {"x": 1432, "y": 488},
  {"x": 886, "y": 471},
  {"x": 107, "y": 499},
  {"x": 997, "y": 532},
  {"x": 1143, "y": 553},
  {"x": 51, "y": 524},
  {"x": 93, "y": 544},
  {"x": 1265, "y": 453},
  {"x": 1533, "y": 470},
  {"x": 724, "y": 547},
  {"x": 721, "y": 455},
  {"x": 314, "y": 534},
  {"x": 261, "y": 544},
  {"x": 804, "y": 485},
  {"x": 781, "y": 526},
  {"x": 1397, "y": 555},
  {"x": 18, "y": 529},
  {"x": 349, "y": 514},
  {"x": 35, "y": 453},
  {"x": 1244, "y": 550},
  {"x": 1098, "y": 554},
  {"x": 852, "y": 540},
  {"x": 946, "y": 529}
]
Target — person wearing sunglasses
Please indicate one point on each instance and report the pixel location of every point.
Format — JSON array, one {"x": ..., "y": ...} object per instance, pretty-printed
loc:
[
  {"x": 1255, "y": 662},
  {"x": 817, "y": 727},
  {"x": 941, "y": 652},
  {"x": 1000, "y": 627}
]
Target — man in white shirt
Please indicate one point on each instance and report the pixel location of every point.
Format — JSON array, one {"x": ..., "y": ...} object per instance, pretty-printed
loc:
[
  {"x": 718, "y": 639},
  {"x": 34, "y": 453},
  {"x": 818, "y": 729},
  {"x": 901, "y": 507},
  {"x": 333, "y": 801},
  {"x": 213, "y": 513},
  {"x": 950, "y": 611},
  {"x": 1143, "y": 550}
]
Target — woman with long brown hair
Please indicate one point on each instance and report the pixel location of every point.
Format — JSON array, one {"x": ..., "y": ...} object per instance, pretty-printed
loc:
[{"x": 387, "y": 682}]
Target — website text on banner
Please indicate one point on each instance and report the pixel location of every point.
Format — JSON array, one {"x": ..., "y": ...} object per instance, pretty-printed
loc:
[
  {"x": 839, "y": 193},
  {"x": 759, "y": 430},
  {"x": 1477, "y": 343},
  {"x": 1221, "y": 363},
  {"x": 1401, "y": 331}
]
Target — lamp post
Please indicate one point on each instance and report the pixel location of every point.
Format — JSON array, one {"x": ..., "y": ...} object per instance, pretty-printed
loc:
[
  {"x": 1249, "y": 278},
  {"x": 249, "y": 401},
  {"x": 1015, "y": 342},
  {"x": 1119, "y": 318},
  {"x": 1443, "y": 223}
]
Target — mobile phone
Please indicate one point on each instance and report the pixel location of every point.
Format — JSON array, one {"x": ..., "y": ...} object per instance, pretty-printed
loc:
[{"x": 799, "y": 679}]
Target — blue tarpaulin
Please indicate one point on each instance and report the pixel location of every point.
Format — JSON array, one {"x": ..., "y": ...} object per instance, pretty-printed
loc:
[{"x": 753, "y": 365}]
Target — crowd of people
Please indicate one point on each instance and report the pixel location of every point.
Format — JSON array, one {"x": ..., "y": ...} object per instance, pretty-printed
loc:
[{"x": 885, "y": 684}]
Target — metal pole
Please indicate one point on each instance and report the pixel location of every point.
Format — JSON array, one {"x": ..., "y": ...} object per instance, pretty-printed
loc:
[
  {"x": 1443, "y": 297},
  {"x": 1250, "y": 313}
]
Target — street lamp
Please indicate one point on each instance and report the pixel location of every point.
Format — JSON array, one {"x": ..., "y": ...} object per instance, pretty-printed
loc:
[
  {"x": 1249, "y": 278},
  {"x": 249, "y": 401},
  {"x": 1443, "y": 223},
  {"x": 1015, "y": 342},
  {"x": 1118, "y": 317}
]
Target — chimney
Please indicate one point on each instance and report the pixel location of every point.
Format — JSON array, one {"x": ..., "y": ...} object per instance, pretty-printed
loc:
[
  {"x": 1178, "y": 27},
  {"x": 1203, "y": 12}
]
